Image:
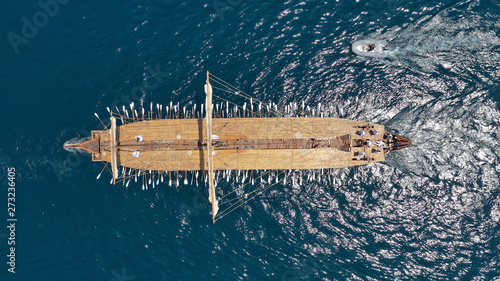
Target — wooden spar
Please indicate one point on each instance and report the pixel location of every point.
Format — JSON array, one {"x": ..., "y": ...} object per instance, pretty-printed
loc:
[
  {"x": 210, "y": 158},
  {"x": 112, "y": 144}
]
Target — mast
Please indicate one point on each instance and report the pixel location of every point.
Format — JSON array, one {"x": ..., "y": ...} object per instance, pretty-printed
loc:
[
  {"x": 112, "y": 146},
  {"x": 210, "y": 158}
]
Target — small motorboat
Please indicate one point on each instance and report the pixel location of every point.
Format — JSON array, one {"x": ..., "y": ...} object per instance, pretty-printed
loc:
[{"x": 370, "y": 48}]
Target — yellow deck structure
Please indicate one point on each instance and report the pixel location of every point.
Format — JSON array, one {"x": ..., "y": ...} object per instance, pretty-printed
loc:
[{"x": 241, "y": 144}]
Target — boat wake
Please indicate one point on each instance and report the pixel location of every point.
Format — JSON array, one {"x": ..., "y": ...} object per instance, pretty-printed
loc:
[
  {"x": 455, "y": 138},
  {"x": 75, "y": 140},
  {"x": 461, "y": 39}
]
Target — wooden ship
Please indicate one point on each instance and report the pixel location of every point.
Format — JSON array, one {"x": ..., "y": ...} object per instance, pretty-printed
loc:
[{"x": 149, "y": 147}]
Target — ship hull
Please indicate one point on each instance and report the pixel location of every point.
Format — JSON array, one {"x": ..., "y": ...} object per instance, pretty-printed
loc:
[{"x": 240, "y": 144}]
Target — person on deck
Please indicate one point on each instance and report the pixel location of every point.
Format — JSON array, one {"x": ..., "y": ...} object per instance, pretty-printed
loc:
[{"x": 361, "y": 154}]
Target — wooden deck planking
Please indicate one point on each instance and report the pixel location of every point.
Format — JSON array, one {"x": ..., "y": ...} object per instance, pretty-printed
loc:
[
  {"x": 242, "y": 159},
  {"x": 233, "y": 160},
  {"x": 237, "y": 128},
  {"x": 242, "y": 128}
]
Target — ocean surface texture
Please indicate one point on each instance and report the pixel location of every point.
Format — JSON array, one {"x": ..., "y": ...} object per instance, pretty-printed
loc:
[{"x": 430, "y": 212}]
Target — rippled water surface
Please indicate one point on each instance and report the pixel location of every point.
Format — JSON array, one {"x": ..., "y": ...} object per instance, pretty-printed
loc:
[{"x": 428, "y": 212}]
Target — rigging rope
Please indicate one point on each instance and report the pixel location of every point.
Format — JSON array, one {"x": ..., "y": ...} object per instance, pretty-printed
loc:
[
  {"x": 225, "y": 212},
  {"x": 243, "y": 94}
]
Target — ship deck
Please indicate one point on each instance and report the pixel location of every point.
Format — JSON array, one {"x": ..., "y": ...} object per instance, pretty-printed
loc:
[{"x": 241, "y": 144}]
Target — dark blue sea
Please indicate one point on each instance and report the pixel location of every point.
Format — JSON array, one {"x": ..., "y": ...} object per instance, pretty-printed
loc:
[{"x": 429, "y": 212}]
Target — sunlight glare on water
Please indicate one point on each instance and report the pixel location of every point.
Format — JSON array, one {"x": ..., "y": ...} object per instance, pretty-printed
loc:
[{"x": 428, "y": 212}]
